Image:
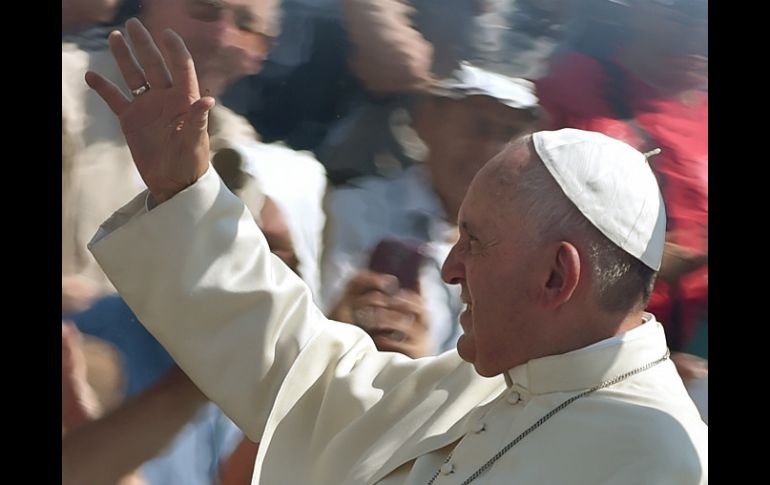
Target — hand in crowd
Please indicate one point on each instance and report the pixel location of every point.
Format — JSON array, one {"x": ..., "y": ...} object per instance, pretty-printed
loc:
[
  {"x": 690, "y": 366},
  {"x": 390, "y": 56},
  {"x": 678, "y": 261},
  {"x": 78, "y": 399},
  {"x": 166, "y": 125},
  {"x": 77, "y": 294},
  {"x": 394, "y": 317}
]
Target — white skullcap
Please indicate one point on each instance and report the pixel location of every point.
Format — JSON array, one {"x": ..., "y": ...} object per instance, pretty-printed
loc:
[
  {"x": 612, "y": 185},
  {"x": 470, "y": 80}
]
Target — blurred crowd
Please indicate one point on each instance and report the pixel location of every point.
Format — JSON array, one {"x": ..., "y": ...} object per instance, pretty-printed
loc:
[{"x": 351, "y": 130}]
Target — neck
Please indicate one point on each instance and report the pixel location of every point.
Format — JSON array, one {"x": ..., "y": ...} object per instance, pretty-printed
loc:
[
  {"x": 631, "y": 321},
  {"x": 595, "y": 327}
]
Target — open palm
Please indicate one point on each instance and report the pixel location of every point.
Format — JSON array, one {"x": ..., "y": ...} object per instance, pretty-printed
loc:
[{"x": 165, "y": 126}]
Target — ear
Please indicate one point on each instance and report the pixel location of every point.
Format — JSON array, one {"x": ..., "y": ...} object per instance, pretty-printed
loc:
[{"x": 563, "y": 276}]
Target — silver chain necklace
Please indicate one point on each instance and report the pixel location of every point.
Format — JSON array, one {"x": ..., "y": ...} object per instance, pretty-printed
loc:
[{"x": 486, "y": 466}]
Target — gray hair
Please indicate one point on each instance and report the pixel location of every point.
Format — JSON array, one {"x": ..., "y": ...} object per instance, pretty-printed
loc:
[{"x": 620, "y": 281}]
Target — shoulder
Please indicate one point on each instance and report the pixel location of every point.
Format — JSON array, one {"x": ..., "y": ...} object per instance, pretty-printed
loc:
[
  {"x": 659, "y": 435},
  {"x": 626, "y": 442}
]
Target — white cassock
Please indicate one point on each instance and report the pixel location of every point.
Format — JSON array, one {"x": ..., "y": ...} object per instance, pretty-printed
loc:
[{"x": 329, "y": 409}]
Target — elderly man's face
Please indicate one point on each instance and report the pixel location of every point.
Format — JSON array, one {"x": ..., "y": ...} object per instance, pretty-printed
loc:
[
  {"x": 227, "y": 39},
  {"x": 495, "y": 262},
  {"x": 462, "y": 136}
]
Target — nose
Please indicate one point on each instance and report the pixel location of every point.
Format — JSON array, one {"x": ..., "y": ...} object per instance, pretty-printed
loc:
[{"x": 453, "y": 270}]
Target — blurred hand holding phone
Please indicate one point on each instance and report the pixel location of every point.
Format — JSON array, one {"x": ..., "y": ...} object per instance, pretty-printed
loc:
[
  {"x": 393, "y": 314},
  {"x": 401, "y": 258}
]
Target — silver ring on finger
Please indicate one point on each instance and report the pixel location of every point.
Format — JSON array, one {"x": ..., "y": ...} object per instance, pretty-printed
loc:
[{"x": 141, "y": 89}]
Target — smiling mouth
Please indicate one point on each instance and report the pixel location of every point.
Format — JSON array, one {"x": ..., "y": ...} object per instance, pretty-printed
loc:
[{"x": 466, "y": 315}]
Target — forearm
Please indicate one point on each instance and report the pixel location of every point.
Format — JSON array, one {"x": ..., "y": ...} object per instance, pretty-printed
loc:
[
  {"x": 103, "y": 450},
  {"x": 204, "y": 283}
]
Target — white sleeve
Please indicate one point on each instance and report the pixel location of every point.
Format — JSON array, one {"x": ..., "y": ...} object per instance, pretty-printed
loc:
[{"x": 197, "y": 272}]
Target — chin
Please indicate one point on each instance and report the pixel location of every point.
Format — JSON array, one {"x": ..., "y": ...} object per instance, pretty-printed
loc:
[
  {"x": 466, "y": 350},
  {"x": 483, "y": 371}
]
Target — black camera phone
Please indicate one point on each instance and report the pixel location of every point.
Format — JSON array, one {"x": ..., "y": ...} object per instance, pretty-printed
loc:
[{"x": 401, "y": 258}]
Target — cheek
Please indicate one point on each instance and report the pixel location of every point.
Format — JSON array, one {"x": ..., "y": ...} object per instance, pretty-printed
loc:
[
  {"x": 202, "y": 33},
  {"x": 496, "y": 294},
  {"x": 485, "y": 293}
]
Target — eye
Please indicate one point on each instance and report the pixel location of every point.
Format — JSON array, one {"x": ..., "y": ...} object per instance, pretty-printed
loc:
[
  {"x": 468, "y": 242},
  {"x": 246, "y": 21},
  {"x": 474, "y": 245}
]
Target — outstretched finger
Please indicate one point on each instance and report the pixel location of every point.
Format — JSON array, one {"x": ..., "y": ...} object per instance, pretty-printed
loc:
[
  {"x": 180, "y": 62},
  {"x": 114, "y": 97},
  {"x": 129, "y": 67},
  {"x": 149, "y": 56},
  {"x": 199, "y": 113}
]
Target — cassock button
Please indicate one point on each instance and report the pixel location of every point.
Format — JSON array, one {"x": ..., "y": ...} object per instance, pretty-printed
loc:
[
  {"x": 514, "y": 397},
  {"x": 479, "y": 427},
  {"x": 447, "y": 469}
]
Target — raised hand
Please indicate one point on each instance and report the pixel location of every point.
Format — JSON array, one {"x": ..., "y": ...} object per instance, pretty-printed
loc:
[{"x": 165, "y": 124}]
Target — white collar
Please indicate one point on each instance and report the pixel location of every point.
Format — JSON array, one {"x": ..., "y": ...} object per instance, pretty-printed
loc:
[{"x": 589, "y": 366}]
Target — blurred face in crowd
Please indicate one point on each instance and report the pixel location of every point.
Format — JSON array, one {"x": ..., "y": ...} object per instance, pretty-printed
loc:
[
  {"x": 462, "y": 135},
  {"x": 496, "y": 263},
  {"x": 227, "y": 39},
  {"x": 674, "y": 35}
]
